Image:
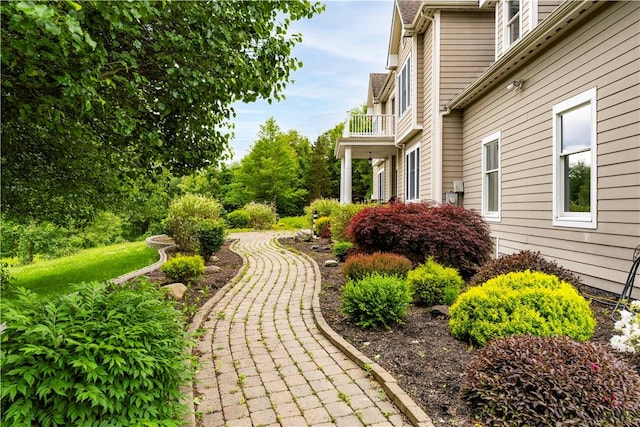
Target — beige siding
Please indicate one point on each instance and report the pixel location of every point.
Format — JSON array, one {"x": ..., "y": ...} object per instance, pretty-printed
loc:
[
  {"x": 499, "y": 28},
  {"x": 545, "y": 7},
  {"x": 602, "y": 52},
  {"x": 419, "y": 89},
  {"x": 404, "y": 123},
  {"x": 451, "y": 150},
  {"x": 526, "y": 15},
  {"x": 427, "y": 114},
  {"x": 466, "y": 50}
]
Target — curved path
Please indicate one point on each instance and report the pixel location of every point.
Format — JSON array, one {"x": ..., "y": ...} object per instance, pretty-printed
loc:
[{"x": 263, "y": 361}]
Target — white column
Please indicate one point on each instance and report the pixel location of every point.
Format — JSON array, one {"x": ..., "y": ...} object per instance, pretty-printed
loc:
[
  {"x": 342, "y": 202},
  {"x": 347, "y": 175}
]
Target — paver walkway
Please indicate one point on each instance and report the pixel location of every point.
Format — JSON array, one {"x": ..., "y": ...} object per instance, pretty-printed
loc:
[{"x": 265, "y": 362}]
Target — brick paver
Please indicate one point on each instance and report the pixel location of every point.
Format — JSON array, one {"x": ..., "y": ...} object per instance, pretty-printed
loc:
[{"x": 263, "y": 359}]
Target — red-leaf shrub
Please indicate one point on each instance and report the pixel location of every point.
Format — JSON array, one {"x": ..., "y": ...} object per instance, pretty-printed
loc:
[
  {"x": 385, "y": 264},
  {"x": 453, "y": 236},
  {"x": 551, "y": 381}
]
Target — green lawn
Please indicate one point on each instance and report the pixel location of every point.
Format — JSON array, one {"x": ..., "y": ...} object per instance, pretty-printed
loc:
[{"x": 53, "y": 277}]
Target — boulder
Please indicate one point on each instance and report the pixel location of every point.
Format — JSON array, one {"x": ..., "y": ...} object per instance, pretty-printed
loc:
[
  {"x": 214, "y": 259},
  {"x": 331, "y": 263},
  {"x": 175, "y": 290},
  {"x": 440, "y": 311},
  {"x": 303, "y": 235},
  {"x": 209, "y": 269}
]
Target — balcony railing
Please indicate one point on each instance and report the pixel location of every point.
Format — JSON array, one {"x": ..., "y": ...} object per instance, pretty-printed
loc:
[{"x": 369, "y": 126}]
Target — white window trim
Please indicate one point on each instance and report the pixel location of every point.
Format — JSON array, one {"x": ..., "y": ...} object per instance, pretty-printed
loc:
[
  {"x": 406, "y": 174},
  {"x": 533, "y": 14},
  {"x": 506, "y": 44},
  {"x": 408, "y": 75},
  {"x": 486, "y": 215},
  {"x": 575, "y": 219},
  {"x": 381, "y": 184}
]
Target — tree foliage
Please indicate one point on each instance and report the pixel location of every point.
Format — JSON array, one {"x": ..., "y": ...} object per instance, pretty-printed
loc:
[{"x": 96, "y": 92}]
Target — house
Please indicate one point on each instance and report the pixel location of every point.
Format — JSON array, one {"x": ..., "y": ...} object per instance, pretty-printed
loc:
[{"x": 526, "y": 111}]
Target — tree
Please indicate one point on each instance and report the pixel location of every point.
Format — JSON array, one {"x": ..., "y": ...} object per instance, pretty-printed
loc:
[
  {"x": 95, "y": 93},
  {"x": 324, "y": 169}
]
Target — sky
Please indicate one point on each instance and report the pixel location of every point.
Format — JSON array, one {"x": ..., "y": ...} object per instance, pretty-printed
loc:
[{"x": 340, "y": 48}]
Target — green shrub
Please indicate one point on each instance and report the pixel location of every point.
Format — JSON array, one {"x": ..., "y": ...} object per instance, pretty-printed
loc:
[
  {"x": 522, "y": 261},
  {"x": 184, "y": 216},
  {"x": 238, "y": 219},
  {"x": 521, "y": 303},
  {"x": 323, "y": 227},
  {"x": 434, "y": 284},
  {"x": 387, "y": 264},
  {"x": 322, "y": 206},
  {"x": 341, "y": 215},
  {"x": 211, "y": 236},
  {"x": 551, "y": 381},
  {"x": 99, "y": 356},
  {"x": 376, "y": 300},
  {"x": 183, "y": 268},
  {"x": 7, "y": 281},
  {"x": 341, "y": 250},
  {"x": 105, "y": 229},
  {"x": 262, "y": 216}
]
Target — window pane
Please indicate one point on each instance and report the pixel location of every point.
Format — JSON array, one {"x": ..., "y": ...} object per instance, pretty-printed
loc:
[
  {"x": 514, "y": 31},
  {"x": 492, "y": 192},
  {"x": 577, "y": 184},
  {"x": 491, "y": 155},
  {"x": 575, "y": 128},
  {"x": 514, "y": 8}
]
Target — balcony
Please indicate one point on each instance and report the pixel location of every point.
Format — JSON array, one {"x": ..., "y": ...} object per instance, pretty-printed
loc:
[{"x": 369, "y": 126}]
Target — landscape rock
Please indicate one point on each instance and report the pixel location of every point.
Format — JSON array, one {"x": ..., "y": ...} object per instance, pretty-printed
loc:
[
  {"x": 331, "y": 263},
  {"x": 214, "y": 259},
  {"x": 303, "y": 235},
  {"x": 212, "y": 269},
  {"x": 440, "y": 311},
  {"x": 175, "y": 290}
]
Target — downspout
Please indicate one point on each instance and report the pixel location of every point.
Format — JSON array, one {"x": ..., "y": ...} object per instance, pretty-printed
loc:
[{"x": 436, "y": 118}]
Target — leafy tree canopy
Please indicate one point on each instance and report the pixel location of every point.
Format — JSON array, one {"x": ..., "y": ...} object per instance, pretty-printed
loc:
[{"x": 95, "y": 93}]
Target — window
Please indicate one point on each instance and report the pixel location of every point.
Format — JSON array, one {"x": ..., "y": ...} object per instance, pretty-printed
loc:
[
  {"x": 381, "y": 185},
  {"x": 413, "y": 174},
  {"x": 513, "y": 24},
  {"x": 404, "y": 85},
  {"x": 491, "y": 177},
  {"x": 574, "y": 161}
]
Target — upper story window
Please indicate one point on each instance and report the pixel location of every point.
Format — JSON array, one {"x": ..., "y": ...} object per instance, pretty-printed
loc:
[
  {"x": 412, "y": 167},
  {"x": 491, "y": 177},
  {"x": 512, "y": 21},
  {"x": 574, "y": 161},
  {"x": 404, "y": 88}
]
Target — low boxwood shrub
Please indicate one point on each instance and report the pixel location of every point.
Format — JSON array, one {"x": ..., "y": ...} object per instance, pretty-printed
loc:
[
  {"x": 183, "y": 268},
  {"x": 102, "y": 355},
  {"x": 341, "y": 250},
  {"x": 388, "y": 264},
  {"x": 341, "y": 215},
  {"x": 521, "y": 303},
  {"x": 522, "y": 261},
  {"x": 211, "y": 236},
  {"x": 323, "y": 227},
  {"x": 434, "y": 284},
  {"x": 376, "y": 300},
  {"x": 551, "y": 381},
  {"x": 238, "y": 219},
  {"x": 454, "y": 236},
  {"x": 262, "y": 216}
]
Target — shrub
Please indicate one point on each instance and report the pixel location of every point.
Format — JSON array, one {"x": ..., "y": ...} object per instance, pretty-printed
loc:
[
  {"x": 183, "y": 268},
  {"x": 323, "y": 227},
  {"x": 7, "y": 281},
  {"x": 211, "y": 236},
  {"x": 521, "y": 303},
  {"x": 387, "y": 264},
  {"x": 434, "y": 284},
  {"x": 341, "y": 215},
  {"x": 522, "y": 261},
  {"x": 322, "y": 206},
  {"x": 454, "y": 236},
  {"x": 376, "y": 300},
  {"x": 105, "y": 229},
  {"x": 551, "y": 381},
  {"x": 185, "y": 213},
  {"x": 629, "y": 328},
  {"x": 238, "y": 219},
  {"x": 341, "y": 250},
  {"x": 262, "y": 216},
  {"x": 103, "y": 355}
]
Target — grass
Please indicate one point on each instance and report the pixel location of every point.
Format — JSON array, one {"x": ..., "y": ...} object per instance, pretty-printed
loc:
[
  {"x": 292, "y": 223},
  {"x": 53, "y": 277}
]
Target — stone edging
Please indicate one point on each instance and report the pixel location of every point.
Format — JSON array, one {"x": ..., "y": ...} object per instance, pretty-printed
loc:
[
  {"x": 152, "y": 242},
  {"x": 407, "y": 406}
]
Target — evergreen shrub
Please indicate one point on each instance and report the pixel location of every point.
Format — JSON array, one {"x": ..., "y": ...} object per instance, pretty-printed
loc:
[
  {"x": 434, "y": 284},
  {"x": 322, "y": 206},
  {"x": 522, "y": 261},
  {"x": 211, "y": 236},
  {"x": 376, "y": 300},
  {"x": 184, "y": 216},
  {"x": 341, "y": 215},
  {"x": 238, "y": 219},
  {"x": 454, "y": 236},
  {"x": 551, "y": 381},
  {"x": 387, "y": 264},
  {"x": 521, "y": 303},
  {"x": 102, "y": 355},
  {"x": 183, "y": 268},
  {"x": 341, "y": 250},
  {"x": 262, "y": 216},
  {"x": 323, "y": 227}
]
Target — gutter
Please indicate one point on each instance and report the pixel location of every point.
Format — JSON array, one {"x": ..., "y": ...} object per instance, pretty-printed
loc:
[{"x": 568, "y": 14}]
